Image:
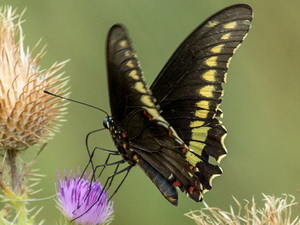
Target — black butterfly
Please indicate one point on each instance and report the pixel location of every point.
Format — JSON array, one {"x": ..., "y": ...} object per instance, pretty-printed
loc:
[{"x": 171, "y": 130}]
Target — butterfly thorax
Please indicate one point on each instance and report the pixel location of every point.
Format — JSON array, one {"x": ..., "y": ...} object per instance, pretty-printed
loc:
[{"x": 120, "y": 139}]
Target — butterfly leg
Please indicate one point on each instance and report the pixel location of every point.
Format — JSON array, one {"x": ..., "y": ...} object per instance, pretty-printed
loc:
[
  {"x": 110, "y": 179},
  {"x": 107, "y": 164},
  {"x": 122, "y": 181},
  {"x": 90, "y": 154}
]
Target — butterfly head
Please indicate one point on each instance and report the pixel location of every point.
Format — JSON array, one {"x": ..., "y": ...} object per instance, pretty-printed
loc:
[{"x": 108, "y": 122}]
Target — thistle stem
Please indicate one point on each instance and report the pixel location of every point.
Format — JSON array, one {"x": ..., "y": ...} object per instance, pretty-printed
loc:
[
  {"x": 15, "y": 176},
  {"x": 15, "y": 193}
]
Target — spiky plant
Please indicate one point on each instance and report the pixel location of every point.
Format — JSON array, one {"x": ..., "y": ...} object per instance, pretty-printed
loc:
[
  {"x": 276, "y": 211},
  {"x": 28, "y": 116}
]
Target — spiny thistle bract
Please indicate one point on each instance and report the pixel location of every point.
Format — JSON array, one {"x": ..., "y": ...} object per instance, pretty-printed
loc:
[{"x": 276, "y": 211}]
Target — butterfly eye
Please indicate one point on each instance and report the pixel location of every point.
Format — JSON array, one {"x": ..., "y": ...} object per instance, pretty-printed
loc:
[{"x": 107, "y": 122}]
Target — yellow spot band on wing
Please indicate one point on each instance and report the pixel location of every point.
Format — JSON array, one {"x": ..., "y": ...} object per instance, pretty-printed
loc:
[
  {"x": 210, "y": 75},
  {"x": 201, "y": 113},
  {"x": 127, "y": 53},
  {"x": 196, "y": 147},
  {"x": 123, "y": 43},
  {"x": 197, "y": 123},
  {"x": 139, "y": 86},
  {"x": 146, "y": 100},
  {"x": 230, "y": 25},
  {"x": 154, "y": 113},
  {"x": 226, "y": 36},
  {"x": 134, "y": 74},
  {"x": 217, "y": 48},
  {"x": 200, "y": 133},
  {"x": 212, "y": 23},
  {"x": 129, "y": 64},
  {"x": 211, "y": 61},
  {"x": 207, "y": 91},
  {"x": 192, "y": 159},
  {"x": 203, "y": 104}
]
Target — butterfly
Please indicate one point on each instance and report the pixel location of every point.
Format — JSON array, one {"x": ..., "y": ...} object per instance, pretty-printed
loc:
[{"x": 171, "y": 130}]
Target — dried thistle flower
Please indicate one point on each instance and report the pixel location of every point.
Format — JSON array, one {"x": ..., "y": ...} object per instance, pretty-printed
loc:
[
  {"x": 83, "y": 201},
  {"x": 27, "y": 115},
  {"x": 276, "y": 211}
]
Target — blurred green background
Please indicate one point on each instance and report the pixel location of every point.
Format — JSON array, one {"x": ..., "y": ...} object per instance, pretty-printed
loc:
[{"x": 261, "y": 103}]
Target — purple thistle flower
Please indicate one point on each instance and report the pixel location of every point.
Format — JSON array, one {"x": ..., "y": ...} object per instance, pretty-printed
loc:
[{"x": 78, "y": 198}]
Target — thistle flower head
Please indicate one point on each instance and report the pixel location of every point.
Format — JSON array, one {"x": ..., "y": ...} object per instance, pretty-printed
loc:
[
  {"x": 78, "y": 199},
  {"x": 276, "y": 211},
  {"x": 27, "y": 115}
]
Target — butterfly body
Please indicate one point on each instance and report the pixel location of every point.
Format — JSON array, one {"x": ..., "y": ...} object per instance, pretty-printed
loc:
[{"x": 170, "y": 130}]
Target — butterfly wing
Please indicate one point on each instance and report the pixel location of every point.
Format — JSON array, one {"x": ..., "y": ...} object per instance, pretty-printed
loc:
[{"x": 189, "y": 89}]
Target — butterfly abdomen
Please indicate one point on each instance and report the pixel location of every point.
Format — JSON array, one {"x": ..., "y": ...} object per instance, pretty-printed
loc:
[{"x": 163, "y": 184}]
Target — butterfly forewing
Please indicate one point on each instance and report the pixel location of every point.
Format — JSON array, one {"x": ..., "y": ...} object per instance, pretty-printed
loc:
[
  {"x": 172, "y": 133},
  {"x": 139, "y": 132}
]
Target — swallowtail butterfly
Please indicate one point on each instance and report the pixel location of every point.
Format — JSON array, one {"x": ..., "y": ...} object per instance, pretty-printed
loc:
[{"x": 171, "y": 130}]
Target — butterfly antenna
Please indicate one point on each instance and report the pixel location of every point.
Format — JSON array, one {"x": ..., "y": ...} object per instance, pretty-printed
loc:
[{"x": 72, "y": 100}]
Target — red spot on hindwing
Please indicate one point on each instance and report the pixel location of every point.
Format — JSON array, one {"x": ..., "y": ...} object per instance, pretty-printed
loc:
[
  {"x": 191, "y": 190},
  {"x": 150, "y": 117},
  {"x": 197, "y": 183},
  {"x": 123, "y": 135},
  {"x": 176, "y": 183},
  {"x": 170, "y": 133},
  {"x": 191, "y": 168},
  {"x": 184, "y": 150}
]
